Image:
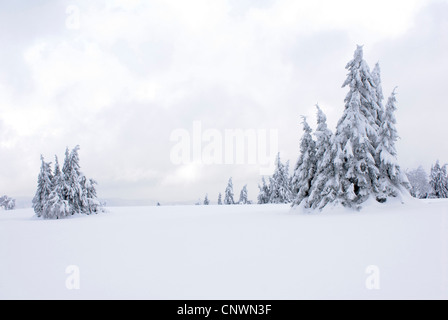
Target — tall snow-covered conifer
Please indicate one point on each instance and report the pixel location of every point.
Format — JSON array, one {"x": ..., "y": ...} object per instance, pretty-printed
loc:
[
  {"x": 72, "y": 186},
  {"x": 220, "y": 199},
  {"x": 56, "y": 206},
  {"x": 392, "y": 181},
  {"x": 325, "y": 184},
  {"x": 305, "y": 168},
  {"x": 356, "y": 136},
  {"x": 44, "y": 188}
]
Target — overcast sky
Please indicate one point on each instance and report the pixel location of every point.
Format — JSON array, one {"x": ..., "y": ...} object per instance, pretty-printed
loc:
[{"x": 118, "y": 77}]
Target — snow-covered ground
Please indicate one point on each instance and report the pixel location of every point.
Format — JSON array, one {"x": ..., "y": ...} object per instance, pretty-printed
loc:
[{"x": 228, "y": 252}]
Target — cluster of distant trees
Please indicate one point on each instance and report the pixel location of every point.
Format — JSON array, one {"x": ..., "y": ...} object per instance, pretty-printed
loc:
[
  {"x": 64, "y": 192},
  {"x": 7, "y": 203},
  {"x": 433, "y": 186},
  {"x": 229, "y": 196}
]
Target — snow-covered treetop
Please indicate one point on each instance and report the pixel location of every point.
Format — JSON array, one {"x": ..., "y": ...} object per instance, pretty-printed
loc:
[
  {"x": 321, "y": 117},
  {"x": 376, "y": 75},
  {"x": 391, "y": 107},
  {"x": 306, "y": 126},
  {"x": 359, "y": 53},
  {"x": 360, "y": 80},
  {"x": 321, "y": 120}
]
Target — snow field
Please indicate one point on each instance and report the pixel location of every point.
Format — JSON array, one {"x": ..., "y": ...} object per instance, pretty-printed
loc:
[{"x": 228, "y": 252}]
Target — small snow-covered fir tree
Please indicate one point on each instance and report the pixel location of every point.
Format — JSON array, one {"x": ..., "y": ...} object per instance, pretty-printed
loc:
[
  {"x": 206, "y": 201},
  {"x": 44, "y": 187},
  {"x": 392, "y": 180},
  {"x": 305, "y": 168},
  {"x": 418, "y": 180},
  {"x": 89, "y": 201},
  {"x": 264, "y": 195},
  {"x": 228, "y": 195},
  {"x": 95, "y": 205},
  {"x": 325, "y": 184},
  {"x": 243, "y": 196},
  {"x": 280, "y": 186},
  {"x": 438, "y": 181},
  {"x": 220, "y": 199}
]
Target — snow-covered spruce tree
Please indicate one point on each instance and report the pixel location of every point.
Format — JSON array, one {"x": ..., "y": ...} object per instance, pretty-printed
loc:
[
  {"x": 220, "y": 199},
  {"x": 418, "y": 180},
  {"x": 228, "y": 195},
  {"x": 356, "y": 136},
  {"x": 265, "y": 194},
  {"x": 56, "y": 206},
  {"x": 72, "y": 189},
  {"x": 392, "y": 181},
  {"x": 206, "y": 201},
  {"x": 243, "y": 196},
  {"x": 438, "y": 181},
  {"x": 89, "y": 200},
  {"x": 44, "y": 187},
  {"x": 305, "y": 168},
  {"x": 280, "y": 186},
  {"x": 325, "y": 184}
]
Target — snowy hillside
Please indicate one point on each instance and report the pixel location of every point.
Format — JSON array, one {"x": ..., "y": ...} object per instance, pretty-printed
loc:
[{"x": 228, "y": 252}]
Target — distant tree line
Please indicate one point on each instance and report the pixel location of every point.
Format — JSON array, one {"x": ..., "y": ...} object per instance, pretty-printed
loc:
[
  {"x": 229, "y": 197},
  {"x": 432, "y": 186}
]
